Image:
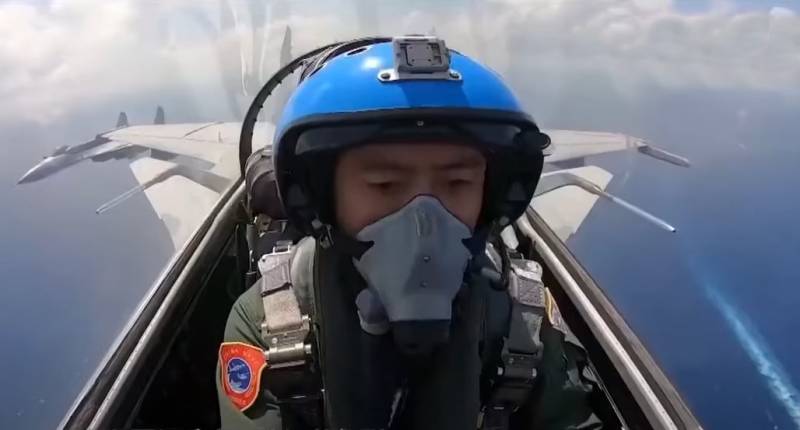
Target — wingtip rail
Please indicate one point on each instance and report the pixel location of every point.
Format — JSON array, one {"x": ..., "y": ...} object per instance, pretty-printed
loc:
[
  {"x": 663, "y": 155},
  {"x": 554, "y": 180}
]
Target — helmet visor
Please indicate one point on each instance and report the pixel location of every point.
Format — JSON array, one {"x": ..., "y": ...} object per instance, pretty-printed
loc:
[{"x": 488, "y": 137}]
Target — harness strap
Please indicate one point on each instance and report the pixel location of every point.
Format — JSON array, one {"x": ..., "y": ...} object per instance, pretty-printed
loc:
[
  {"x": 286, "y": 331},
  {"x": 522, "y": 350},
  {"x": 285, "y": 328}
]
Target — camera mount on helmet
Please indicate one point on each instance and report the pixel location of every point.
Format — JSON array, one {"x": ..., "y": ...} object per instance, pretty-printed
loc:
[{"x": 419, "y": 57}]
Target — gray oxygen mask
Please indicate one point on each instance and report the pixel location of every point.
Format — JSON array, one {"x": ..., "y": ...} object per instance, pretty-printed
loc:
[{"x": 413, "y": 269}]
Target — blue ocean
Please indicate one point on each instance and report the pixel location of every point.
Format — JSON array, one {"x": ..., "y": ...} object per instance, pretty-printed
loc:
[{"x": 716, "y": 303}]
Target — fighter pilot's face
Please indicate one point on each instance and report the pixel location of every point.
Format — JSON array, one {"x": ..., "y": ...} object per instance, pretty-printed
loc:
[{"x": 376, "y": 180}]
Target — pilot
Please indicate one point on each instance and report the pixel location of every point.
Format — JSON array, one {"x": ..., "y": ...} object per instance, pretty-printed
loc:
[{"x": 402, "y": 161}]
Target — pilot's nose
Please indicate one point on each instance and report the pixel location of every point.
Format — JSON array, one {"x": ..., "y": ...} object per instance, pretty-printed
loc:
[{"x": 424, "y": 185}]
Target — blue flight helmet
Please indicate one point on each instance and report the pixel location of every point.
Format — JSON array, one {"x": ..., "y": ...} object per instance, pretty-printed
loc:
[{"x": 403, "y": 89}]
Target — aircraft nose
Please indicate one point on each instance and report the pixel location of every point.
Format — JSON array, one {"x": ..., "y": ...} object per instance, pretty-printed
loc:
[
  {"x": 26, "y": 178},
  {"x": 32, "y": 175}
]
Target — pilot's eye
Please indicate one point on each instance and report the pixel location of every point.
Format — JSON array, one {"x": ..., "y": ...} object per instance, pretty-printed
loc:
[
  {"x": 459, "y": 182},
  {"x": 383, "y": 186}
]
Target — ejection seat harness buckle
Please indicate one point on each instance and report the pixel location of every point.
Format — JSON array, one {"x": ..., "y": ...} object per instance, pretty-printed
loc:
[{"x": 285, "y": 328}]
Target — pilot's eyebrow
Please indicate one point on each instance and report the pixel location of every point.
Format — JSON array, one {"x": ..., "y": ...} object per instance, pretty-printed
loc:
[
  {"x": 464, "y": 163},
  {"x": 388, "y": 165},
  {"x": 385, "y": 165}
]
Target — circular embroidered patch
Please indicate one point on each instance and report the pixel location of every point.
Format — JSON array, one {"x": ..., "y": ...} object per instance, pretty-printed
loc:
[
  {"x": 240, "y": 367},
  {"x": 239, "y": 375}
]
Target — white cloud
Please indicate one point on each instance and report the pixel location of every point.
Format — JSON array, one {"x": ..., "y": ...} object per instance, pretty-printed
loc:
[
  {"x": 49, "y": 56},
  {"x": 79, "y": 53},
  {"x": 651, "y": 45},
  {"x": 781, "y": 12}
]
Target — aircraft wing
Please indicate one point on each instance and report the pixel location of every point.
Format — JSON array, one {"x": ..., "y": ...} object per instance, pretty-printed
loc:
[
  {"x": 179, "y": 202},
  {"x": 570, "y": 145},
  {"x": 569, "y": 188},
  {"x": 564, "y": 208},
  {"x": 207, "y": 141},
  {"x": 181, "y": 168},
  {"x": 179, "y": 188}
]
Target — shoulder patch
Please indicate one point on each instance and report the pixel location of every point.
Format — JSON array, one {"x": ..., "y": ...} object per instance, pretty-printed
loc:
[
  {"x": 241, "y": 366},
  {"x": 554, "y": 315}
]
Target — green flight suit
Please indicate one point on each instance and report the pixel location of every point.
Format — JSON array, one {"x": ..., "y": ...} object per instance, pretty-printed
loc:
[{"x": 559, "y": 401}]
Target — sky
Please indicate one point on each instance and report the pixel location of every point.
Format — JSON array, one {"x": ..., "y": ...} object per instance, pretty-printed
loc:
[
  {"x": 717, "y": 81},
  {"x": 127, "y": 49},
  {"x": 700, "y": 6}
]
